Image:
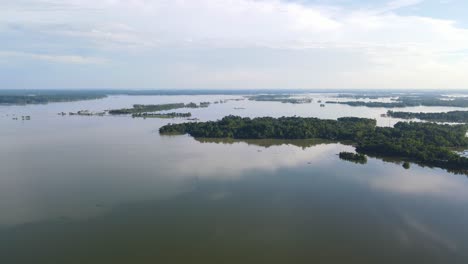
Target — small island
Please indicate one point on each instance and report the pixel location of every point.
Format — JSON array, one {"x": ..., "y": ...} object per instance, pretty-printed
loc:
[
  {"x": 429, "y": 144},
  {"x": 406, "y": 165},
  {"x": 84, "y": 113},
  {"x": 353, "y": 157},
  {"x": 24, "y": 118}
]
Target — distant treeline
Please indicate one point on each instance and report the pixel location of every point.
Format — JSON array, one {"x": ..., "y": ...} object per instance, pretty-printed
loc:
[
  {"x": 373, "y": 104},
  {"x": 408, "y": 101},
  {"x": 44, "y": 99},
  {"x": 162, "y": 91},
  {"x": 283, "y": 98},
  {"x": 453, "y": 116},
  {"x": 139, "y": 108},
  {"x": 427, "y": 143}
]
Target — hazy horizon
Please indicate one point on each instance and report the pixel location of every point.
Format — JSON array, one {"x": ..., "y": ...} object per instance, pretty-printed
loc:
[{"x": 239, "y": 90}]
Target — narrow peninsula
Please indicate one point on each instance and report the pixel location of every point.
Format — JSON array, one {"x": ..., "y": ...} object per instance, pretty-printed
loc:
[
  {"x": 410, "y": 101},
  {"x": 452, "y": 116}
]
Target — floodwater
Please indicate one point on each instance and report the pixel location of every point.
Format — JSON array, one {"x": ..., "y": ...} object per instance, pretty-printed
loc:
[{"x": 77, "y": 189}]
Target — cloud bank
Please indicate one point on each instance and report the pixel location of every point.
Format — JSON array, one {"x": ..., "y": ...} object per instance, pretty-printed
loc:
[{"x": 230, "y": 44}]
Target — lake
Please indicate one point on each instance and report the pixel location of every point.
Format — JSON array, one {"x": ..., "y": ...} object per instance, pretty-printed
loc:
[{"x": 78, "y": 189}]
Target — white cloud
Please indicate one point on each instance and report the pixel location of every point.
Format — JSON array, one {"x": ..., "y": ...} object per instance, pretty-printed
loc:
[
  {"x": 398, "y": 48},
  {"x": 397, "y": 4},
  {"x": 234, "y": 22},
  {"x": 74, "y": 59}
]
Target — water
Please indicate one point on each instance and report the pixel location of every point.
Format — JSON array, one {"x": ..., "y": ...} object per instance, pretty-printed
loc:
[{"x": 112, "y": 190}]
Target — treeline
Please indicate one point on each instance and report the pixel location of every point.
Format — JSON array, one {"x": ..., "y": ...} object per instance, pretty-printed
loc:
[
  {"x": 427, "y": 143},
  {"x": 139, "y": 108},
  {"x": 45, "y": 99},
  {"x": 409, "y": 101},
  {"x": 283, "y": 98},
  {"x": 374, "y": 104},
  {"x": 453, "y": 116}
]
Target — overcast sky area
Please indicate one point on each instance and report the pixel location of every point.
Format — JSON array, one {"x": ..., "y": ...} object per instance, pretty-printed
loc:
[{"x": 229, "y": 44}]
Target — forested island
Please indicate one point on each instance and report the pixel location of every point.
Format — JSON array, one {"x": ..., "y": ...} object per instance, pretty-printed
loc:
[
  {"x": 353, "y": 157},
  {"x": 452, "y": 116},
  {"x": 139, "y": 108},
  {"x": 426, "y": 143},
  {"x": 164, "y": 115},
  {"x": 408, "y": 101}
]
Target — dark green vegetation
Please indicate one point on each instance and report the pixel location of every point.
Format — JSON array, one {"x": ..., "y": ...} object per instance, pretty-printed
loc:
[
  {"x": 346, "y": 128},
  {"x": 283, "y": 98},
  {"x": 453, "y": 116},
  {"x": 408, "y": 101},
  {"x": 406, "y": 165},
  {"x": 427, "y": 143},
  {"x": 165, "y": 115},
  {"x": 354, "y": 157},
  {"x": 140, "y": 109}
]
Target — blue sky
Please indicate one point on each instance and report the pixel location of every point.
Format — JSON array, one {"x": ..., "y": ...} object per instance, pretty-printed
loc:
[{"x": 229, "y": 44}]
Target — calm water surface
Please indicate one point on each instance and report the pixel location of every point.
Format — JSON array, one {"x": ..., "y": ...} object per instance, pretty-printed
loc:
[{"x": 112, "y": 190}]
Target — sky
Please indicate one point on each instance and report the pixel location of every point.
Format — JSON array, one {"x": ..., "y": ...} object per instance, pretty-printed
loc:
[{"x": 233, "y": 44}]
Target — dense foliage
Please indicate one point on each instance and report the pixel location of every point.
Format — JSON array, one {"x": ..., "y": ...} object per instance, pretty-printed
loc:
[
  {"x": 406, "y": 165},
  {"x": 354, "y": 157},
  {"x": 453, "y": 116},
  {"x": 346, "y": 128},
  {"x": 427, "y": 143}
]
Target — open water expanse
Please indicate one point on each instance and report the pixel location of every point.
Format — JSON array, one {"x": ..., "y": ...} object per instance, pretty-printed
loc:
[{"x": 110, "y": 189}]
